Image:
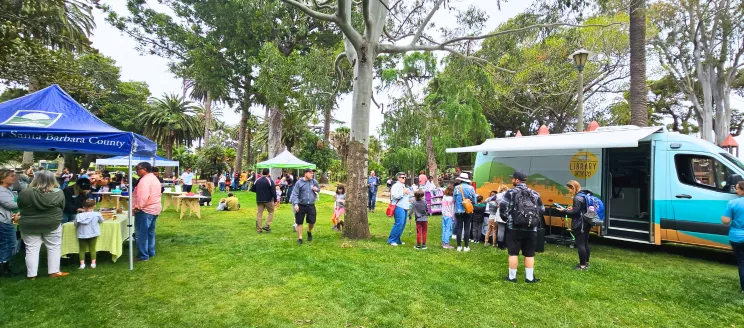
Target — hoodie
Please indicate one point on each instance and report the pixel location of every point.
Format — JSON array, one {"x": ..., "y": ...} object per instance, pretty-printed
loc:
[
  {"x": 41, "y": 212},
  {"x": 88, "y": 224}
]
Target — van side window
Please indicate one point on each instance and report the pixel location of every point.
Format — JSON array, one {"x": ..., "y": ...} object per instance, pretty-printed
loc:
[{"x": 705, "y": 172}]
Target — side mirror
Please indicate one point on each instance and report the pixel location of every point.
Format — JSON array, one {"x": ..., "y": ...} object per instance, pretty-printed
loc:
[{"x": 732, "y": 181}]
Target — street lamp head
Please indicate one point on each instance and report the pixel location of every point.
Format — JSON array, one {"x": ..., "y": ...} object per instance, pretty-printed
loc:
[{"x": 580, "y": 57}]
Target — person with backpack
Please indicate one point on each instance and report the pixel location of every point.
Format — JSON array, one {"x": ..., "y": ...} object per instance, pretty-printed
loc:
[
  {"x": 464, "y": 207},
  {"x": 579, "y": 227},
  {"x": 522, "y": 209}
]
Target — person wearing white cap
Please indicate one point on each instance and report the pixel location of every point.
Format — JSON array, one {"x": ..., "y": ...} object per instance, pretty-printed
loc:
[{"x": 464, "y": 191}]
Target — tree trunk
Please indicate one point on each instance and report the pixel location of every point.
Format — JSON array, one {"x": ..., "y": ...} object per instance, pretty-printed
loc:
[
  {"x": 87, "y": 159},
  {"x": 327, "y": 124},
  {"x": 71, "y": 163},
  {"x": 275, "y": 137},
  {"x": 638, "y": 93},
  {"x": 207, "y": 118},
  {"x": 169, "y": 155},
  {"x": 432, "y": 160},
  {"x": 357, "y": 224},
  {"x": 28, "y": 160},
  {"x": 248, "y": 152},
  {"x": 241, "y": 138}
]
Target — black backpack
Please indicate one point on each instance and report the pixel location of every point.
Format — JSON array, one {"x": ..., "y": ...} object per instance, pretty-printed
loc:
[{"x": 525, "y": 212}]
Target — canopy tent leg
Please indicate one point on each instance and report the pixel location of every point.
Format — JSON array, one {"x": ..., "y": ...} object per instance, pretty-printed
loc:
[{"x": 129, "y": 215}]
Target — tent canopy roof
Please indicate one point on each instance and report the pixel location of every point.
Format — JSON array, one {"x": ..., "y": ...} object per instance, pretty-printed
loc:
[
  {"x": 124, "y": 161},
  {"x": 285, "y": 160},
  {"x": 49, "y": 120},
  {"x": 605, "y": 137}
]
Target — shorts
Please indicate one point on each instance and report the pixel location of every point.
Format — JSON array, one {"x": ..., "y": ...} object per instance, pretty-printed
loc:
[
  {"x": 517, "y": 240},
  {"x": 305, "y": 211}
]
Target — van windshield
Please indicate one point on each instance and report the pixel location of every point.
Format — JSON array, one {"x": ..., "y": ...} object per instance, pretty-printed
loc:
[{"x": 733, "y": 160}]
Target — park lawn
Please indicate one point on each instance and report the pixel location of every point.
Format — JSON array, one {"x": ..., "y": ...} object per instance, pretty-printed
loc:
[{"x": 217, "y": 272}]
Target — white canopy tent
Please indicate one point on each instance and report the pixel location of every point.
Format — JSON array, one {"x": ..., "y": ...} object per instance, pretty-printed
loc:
[
  {"x": 124, "y": 161},
  {"x": 285, "y": 160},
  {"x": 605, "y": 137}
]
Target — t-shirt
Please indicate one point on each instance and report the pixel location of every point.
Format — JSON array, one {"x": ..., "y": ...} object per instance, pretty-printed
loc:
[
  {"x": 422, "y": 180},
  {"x": 232, "y": 203},
  {"x": 448, "y": 206},
  {"x": 187, "y": 178},
  {"x": 67, "y": 176},
  {"x": 735, "y": 210},
  {"x": 340, "y": 200}
]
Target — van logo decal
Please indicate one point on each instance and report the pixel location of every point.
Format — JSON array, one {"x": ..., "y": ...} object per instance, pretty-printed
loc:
[{"x": 584, "y": 165}]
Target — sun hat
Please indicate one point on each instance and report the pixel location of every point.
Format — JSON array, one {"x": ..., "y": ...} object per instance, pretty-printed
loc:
[{"x": 464, "y": 177}]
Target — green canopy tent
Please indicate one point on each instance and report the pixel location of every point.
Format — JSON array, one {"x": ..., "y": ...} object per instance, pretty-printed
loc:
[{"x": 285, "y": 160}]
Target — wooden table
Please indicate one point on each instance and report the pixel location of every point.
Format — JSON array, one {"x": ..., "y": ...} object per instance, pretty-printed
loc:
[
  {"x": 190, "y": 202},
  {"x": 106, "y": 200},
  {"x": 171, "y": 198},
  {"x": 121, "y": 199}
]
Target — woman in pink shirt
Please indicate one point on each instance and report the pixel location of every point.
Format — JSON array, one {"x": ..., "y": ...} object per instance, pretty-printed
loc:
[{"x": 422, "y": 179}]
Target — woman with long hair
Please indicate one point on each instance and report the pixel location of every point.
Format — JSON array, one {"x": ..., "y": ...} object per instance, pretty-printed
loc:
[
  {"x": 579, "y": 229},
  {"x": 41, "y": 207},
  {"x": 206, "y": 190}
]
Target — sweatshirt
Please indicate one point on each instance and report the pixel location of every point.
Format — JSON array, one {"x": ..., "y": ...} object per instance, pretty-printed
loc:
[
  {"x": 7, "y": 205},
  {"x": 420, "y": 211},
  {"x": 41, "y": 212},
  {"x": 88, "y": 224}
]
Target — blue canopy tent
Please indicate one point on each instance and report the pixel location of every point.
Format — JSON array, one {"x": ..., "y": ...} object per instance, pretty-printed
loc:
[{"x": 49, "y": 120}]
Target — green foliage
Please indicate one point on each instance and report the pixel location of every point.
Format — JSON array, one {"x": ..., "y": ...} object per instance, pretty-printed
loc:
[
  {"x": 404, "y": 159},
  {"x": 185, "y": 157},
  {"x": 314, "y": 150},
  {"x": 212, "y": 160}
]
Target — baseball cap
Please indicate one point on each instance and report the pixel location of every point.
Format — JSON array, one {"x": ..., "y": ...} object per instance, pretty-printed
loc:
[
  {"x": 519, "y": 175},
  {"x": 308, "y": 170},
  {"x": 83, "y": 183}
]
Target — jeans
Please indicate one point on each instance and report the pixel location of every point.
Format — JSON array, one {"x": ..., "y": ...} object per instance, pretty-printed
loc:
[
  {"x": 235, "y": 185},
  {"x": 464, "y": 222},
  {"x": 372, "y": 200},
  {"x": 738, "y": 249},
  {"x": 68, "y": 217},
  {"x": 399, "y": 226},
  {"x": 144, "y": 229},
  {"x": 64, "y": 185},
  {"x": 222, "y": 186},
  {"x": 53, "y": 242},
  {"x": 7, "y": 241},
  {"x": 446, "y": 230}
]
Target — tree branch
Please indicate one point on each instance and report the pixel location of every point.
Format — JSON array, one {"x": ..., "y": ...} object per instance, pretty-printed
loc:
[
  {"x": 365, "y": 14},
  {"x": 343, "y": 19},
  {"x": 426, "y": 22},
  {"x": 312, "y": 13},
  {"x": 517, "y": 30},
  {"x": 324, "y": 5},
  {"x": 396, "y": 49}
]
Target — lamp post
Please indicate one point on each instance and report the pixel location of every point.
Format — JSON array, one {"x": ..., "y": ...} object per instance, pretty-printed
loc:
[{"x": 580, "y": 57}]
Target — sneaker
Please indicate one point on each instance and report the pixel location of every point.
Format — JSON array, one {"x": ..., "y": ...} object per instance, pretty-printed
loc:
[
  {"x": 267, "y": 229},
  {"x": 459, "y": 248},
  {"x": 587, "y": 265},
  {"x": 309, "y": 236},
  {"x": 448, "y": 246},
  {"x": 299, "y": 241},
  {"x": 393, "y": 244},
  {"x": 423, "y": 246},
  {"x": 417, "y": 246},
  {"x": 295, "y": 227},
  {"x": 93, "y": 265},
  {"x": 533, "y": 281},
  {"x": 580, "y": 267},
  {"x": 467, "y": 249},
  {"x": 59, "y": 275},
  {"x": 372, "y": 211},
  {"x": 510, "y": 280},
  {"x": 82, "y": 266}
]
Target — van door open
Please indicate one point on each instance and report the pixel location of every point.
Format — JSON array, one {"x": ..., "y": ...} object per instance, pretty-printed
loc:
[
  {"x": 702, "y": 185},
  {"x": 628, "y": 193}
]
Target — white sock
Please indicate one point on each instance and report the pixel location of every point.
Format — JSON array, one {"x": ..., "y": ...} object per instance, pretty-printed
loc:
[
  {"x": 529, "y": 273},
  {"x": 512, "y": 273}
]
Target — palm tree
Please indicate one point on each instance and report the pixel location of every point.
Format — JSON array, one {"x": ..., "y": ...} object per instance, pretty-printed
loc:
[
  {"x": 294, "y": 125},
  {"x": 208, "y": 95},
  {"x": 638, "y": 90},
  {"x": 171, "y": 121}
]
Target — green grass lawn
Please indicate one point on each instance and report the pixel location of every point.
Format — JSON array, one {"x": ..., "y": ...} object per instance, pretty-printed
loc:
[{"x": 217, "y": 272}]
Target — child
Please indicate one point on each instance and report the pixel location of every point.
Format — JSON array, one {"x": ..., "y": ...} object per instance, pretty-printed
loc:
[
  {"x": 479, "y": 212},
  {"x": 88, "y": 230},
  {"x": 339, "y": 208},
  {"x": 278, "y": 197},
  {"x": 421, "y": 212},
  {"x": 222, "y": 206},
  {"x": 448, "y": 212},
  {"x": 491, "y": 226}
]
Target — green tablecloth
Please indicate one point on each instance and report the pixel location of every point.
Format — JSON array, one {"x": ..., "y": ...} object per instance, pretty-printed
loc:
[{"x": 113, "y": 235}]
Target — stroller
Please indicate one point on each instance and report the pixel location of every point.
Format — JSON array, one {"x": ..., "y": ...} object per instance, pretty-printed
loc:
[{"x": 285, "y": 195}]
